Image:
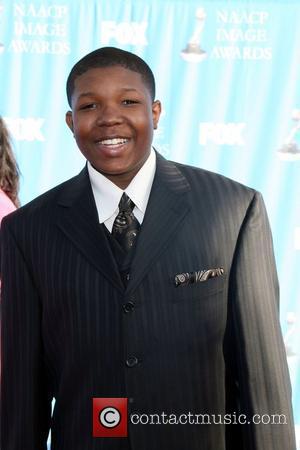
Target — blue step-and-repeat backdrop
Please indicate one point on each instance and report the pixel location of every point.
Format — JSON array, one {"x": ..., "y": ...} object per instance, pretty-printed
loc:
[{"x": 228, "y": 77}]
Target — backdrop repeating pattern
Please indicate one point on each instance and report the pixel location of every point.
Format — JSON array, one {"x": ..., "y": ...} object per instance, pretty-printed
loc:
[{"x": 227, "y": 75}]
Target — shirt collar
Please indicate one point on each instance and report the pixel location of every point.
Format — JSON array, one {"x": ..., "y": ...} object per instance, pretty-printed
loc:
[{"x": 107, "y": 195}]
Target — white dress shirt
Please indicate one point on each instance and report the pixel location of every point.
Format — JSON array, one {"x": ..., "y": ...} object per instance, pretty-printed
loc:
[{"x": 107, "y": 194}]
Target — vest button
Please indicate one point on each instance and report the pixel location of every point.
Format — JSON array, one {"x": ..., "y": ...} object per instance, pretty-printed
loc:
[
  {"x": 131, "y": 361},
  {"x": 128, "y": 307}
]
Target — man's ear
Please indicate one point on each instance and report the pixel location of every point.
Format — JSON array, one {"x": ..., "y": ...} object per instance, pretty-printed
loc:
[
  {"x": 69, "y": 120},
  {"x": 156, "y": 110}
]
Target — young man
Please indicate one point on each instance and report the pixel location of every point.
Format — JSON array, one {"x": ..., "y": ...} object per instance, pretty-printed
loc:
[{"x": 167, "y": 295}]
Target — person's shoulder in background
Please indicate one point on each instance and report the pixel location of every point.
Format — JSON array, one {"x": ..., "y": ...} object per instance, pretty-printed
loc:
[{"x": 6, "y": 205}]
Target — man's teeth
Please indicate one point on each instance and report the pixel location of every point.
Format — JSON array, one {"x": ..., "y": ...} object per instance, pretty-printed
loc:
[{"x": 114, "y": 141}]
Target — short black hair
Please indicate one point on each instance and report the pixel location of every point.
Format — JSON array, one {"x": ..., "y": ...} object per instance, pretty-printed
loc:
[{"x": 107, "y": 57}]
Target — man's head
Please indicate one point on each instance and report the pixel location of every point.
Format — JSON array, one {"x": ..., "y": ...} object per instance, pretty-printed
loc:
[
  {"x": 111, "y": 93},
  {"x": 109, "y": 57}
]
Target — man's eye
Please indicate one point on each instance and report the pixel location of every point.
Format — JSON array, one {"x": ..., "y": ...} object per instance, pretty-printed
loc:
[
  {"x": 127, "y": 101},
  {"x": 89, "y": 106}
]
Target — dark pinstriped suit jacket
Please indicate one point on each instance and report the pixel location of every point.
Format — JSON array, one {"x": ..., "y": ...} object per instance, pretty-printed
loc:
[{"x": 205, "y": 348}]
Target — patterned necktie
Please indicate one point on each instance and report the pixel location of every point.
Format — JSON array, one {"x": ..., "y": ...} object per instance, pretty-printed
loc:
[{"x": 126, "y": 226}]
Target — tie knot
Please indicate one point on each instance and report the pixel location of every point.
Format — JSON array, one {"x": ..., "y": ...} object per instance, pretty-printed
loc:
[{"x": 126, "y": 204}]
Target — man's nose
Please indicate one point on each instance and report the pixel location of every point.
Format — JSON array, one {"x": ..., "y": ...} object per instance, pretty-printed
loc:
[{"x": 109, "y": 115}]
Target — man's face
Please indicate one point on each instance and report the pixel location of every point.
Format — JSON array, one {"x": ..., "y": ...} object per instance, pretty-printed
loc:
[{"x": 112, "y": 119}]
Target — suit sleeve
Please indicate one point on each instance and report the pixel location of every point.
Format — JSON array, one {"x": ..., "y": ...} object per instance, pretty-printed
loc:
[
  {"x": 25, "y": 398},
  {"x": 261, "y": 372}
]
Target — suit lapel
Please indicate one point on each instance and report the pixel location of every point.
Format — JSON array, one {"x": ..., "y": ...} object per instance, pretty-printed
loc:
[
  {"x": 78, "y": 219},
  {"x": 167, "y": 206}
]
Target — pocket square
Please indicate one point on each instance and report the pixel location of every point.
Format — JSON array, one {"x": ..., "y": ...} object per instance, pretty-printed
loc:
[{"x": 183, "y": 279}]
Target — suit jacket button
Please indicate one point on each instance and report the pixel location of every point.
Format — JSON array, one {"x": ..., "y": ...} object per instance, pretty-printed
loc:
[
  {"x": 128, "y": 307},
  {"x": 131, "y": 361}
]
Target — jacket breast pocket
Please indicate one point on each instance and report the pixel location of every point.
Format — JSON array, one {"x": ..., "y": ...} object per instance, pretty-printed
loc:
[{"x": 198, "y": 291}]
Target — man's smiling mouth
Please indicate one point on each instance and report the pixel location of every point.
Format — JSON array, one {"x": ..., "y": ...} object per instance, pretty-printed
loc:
[{"x": 113, "y": 142}]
